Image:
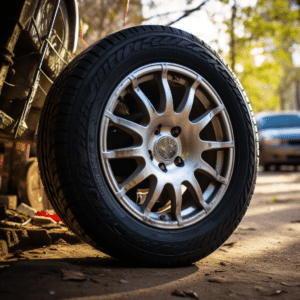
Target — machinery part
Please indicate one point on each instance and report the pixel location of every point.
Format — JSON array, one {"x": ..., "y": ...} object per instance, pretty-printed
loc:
[{"x": 30, "y": 187}]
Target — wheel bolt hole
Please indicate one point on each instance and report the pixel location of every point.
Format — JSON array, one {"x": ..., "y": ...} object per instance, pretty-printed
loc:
[
  {"x": 162, "y": 166},
  {"x": 157, "y": 131},
  {"x": 175, "y": 131},
  {"x": 150, "y": 154},
  {"x": 179, "y": 162}
]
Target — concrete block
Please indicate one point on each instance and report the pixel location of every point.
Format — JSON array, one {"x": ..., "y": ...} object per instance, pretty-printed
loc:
[{"x": 10, "y": 201}]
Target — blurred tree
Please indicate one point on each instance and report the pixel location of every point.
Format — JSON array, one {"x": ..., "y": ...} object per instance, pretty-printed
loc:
[
  {"x": 261, "y": 48},
  {"x": 102, "y": 17},
  {"x": 273, "y": 27}
]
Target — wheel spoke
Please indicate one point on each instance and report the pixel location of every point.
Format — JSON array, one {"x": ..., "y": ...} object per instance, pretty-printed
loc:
[
  {"x": 195, "y": 189},
  {"x": 124, "y": 153},
  {"x": 134, "y": 179},
  {"x": 176, "y": 202},
  {"x": 204, "y": 120},
  {"x": 186, "y": 104},
  {"x": 205, "y": 168},
  {"x": 155, "y": 191},
  {"x": 166, "y": 98},
  {"x": 211, "y": 145},
  {"x": 143, "y": 99},
  {"x": 128, "y": 126}
]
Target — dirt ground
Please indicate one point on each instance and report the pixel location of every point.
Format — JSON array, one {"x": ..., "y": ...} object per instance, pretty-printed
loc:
[{"x": 261, "y": 260}]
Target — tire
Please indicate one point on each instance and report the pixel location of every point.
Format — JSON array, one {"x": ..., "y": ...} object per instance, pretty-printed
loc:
[{"x": 176, "y": 194}]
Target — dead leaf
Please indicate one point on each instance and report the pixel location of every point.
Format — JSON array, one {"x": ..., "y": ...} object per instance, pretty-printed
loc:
[
  {"x": 278, "y": 292},
  {"x": 230, "y": 244},
  {"x": 190, "y": 294},
  {"x": 269, "y": 292},
  {"x": 222, "y": 250},
  {"x": 73, "y": 275},
  {"x": 247, "y": 228},
  {"x": 295, "y": 221},
  {"x": 216, "y": 280},
  {"x": 290, "y": 284}
]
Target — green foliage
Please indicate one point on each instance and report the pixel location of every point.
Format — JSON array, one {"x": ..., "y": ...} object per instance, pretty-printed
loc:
[{"x": 273, "y": 28}]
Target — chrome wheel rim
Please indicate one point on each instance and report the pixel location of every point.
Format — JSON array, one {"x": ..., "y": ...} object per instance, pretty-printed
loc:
[{"x": 166, "y": 145}]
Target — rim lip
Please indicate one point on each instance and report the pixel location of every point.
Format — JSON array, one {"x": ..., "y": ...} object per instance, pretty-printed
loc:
[{"x": 127, "y": 203}]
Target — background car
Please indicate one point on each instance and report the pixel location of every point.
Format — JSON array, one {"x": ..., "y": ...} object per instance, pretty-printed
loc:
[{"x": 279, "y": 135}]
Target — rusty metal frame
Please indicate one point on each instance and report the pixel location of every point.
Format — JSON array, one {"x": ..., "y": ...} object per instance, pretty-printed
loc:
[{"x": 21, "y": 124}]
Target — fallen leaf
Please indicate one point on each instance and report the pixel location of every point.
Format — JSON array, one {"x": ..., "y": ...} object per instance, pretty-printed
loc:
[
  {"x": 230, "y": 244},
  {"x": 278, "y": 292},
  {"x": 216, "y": 280},
  {"x": 274, "y": 199},
  {"x": 247, "y": 228},
  {"x": 73, "y": 275},
  {"x": 295, "y": 221},
  {"x": 269, "y": 292},
  {"x": 222, "y": 250},
  {"x": 290, "y": 284},
  {"x": 190, "y": 294}
]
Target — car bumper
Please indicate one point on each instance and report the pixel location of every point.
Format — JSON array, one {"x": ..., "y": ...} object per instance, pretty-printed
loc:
[{"x": 279, "y": 154}]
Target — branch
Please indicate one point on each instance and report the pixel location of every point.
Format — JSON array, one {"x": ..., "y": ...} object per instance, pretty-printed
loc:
[
  {"x": 164, "y": 14},
  {"x": 187, "y": 12}
]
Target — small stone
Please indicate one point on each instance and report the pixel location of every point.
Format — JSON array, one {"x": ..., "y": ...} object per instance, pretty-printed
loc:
[
  {"x": 124, "y": 281},
  {"x": 60, "y": 242}
]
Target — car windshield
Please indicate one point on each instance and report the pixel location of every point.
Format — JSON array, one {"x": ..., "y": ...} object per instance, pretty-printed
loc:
[{"x": 279, "y": 121}]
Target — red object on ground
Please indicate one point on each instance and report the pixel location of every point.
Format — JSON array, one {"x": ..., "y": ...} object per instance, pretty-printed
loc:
[{"x": 55, "y": 217}]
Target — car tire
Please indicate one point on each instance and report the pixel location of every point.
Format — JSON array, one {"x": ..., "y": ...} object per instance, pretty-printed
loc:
[{"x": 147, "y": 147}]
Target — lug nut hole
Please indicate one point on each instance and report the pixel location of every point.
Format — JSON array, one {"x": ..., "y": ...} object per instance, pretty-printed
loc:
[
  {"x": 157, "y": 131},
  {"x": 150, "y": 154},
  {"x": 162, "y": 166},
  {"x": 179, "y": 162},
  {"x": 175, "y": 131}
]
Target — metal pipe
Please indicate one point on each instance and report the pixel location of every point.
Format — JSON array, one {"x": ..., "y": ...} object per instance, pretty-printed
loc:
[{"x": 32, "y": 92}]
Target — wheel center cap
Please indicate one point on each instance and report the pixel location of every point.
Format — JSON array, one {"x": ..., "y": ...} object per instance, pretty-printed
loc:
[{"x": 167, "y": 148}]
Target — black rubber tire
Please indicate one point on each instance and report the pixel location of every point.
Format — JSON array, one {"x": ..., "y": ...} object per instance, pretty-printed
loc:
[{"x": 68, "y": 148}]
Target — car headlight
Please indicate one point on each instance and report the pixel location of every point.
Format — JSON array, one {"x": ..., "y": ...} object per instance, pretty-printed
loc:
[{"x": 271, "y": 141}]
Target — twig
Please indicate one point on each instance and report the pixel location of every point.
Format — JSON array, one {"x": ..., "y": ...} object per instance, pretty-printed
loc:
[
  {"x": 187, "y": 12},
  {"x": 126, "y": 11}
]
